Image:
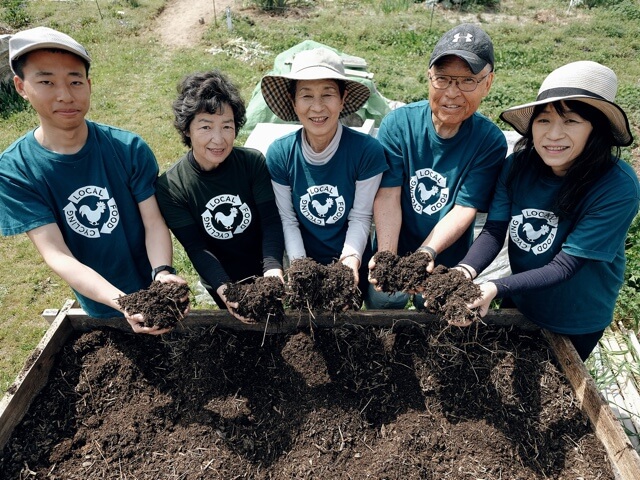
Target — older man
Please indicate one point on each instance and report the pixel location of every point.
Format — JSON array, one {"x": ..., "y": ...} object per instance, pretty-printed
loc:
[{"x": 444, "y": 158}]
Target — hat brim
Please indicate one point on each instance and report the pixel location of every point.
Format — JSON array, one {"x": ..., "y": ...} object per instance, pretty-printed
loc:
[
  {"x": 476, "y": 64},
  {"x": 44, "y": 46},
  {"x": 520, "y": 116},
  {"x": 275, "y": 91}
]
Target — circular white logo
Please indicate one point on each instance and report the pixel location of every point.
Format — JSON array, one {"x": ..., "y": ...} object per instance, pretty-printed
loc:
[
  {"x": 534, "y": 230},
  {"x": 91, "y": 212},
  {"x": 429, "y": 192},
  {"x": 226, "y": 216},
  {"x": 322, "y": 204}
]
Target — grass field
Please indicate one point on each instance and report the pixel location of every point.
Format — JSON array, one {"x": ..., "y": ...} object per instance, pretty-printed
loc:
[{"x": 135, "y": 76}]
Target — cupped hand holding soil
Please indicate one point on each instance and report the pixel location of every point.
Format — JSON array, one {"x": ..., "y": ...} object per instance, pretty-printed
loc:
[
  {"x": 162, "y": 305},
  {"x": 259, "y": 300}
]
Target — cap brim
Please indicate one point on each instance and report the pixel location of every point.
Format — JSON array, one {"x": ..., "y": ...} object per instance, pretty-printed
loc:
[
  {"x": 46, "y": 45},
  {"x": 476, "y": 64},
  {"x": 520, "y": 116}
]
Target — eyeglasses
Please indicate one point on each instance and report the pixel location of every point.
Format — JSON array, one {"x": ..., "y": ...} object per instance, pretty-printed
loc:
[{"x": 465, "y": 84}]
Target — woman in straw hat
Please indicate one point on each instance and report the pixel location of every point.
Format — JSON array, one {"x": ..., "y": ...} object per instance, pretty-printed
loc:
[
  {"x": 325, "y": 176},
  {"x": 567, "y": 201}
]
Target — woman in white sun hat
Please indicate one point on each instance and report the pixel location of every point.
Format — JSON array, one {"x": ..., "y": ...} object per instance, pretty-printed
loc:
[
  {"x": 325, "y": 176},
  {"x": 567, "y": 201}
]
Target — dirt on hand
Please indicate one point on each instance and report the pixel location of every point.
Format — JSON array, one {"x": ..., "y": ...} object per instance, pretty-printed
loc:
[
  {"x": 259, "y": 299},
  {"x": 446, "y": 292},
  {"x": 400, "y": 274},
  {"x": 162, "y": 304}
]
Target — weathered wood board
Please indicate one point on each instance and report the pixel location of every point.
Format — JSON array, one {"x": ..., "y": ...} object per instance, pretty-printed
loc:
[{"x": 13, "y": 406}]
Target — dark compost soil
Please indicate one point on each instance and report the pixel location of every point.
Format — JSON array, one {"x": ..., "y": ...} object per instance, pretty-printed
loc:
[
  {"x": 162, "y": 304},
  {"x": 316, "y": 287},
  {"x": 415, "y": 402},
  {"x": 259, "y": 298},
  {"x": 446, "y": 291}
]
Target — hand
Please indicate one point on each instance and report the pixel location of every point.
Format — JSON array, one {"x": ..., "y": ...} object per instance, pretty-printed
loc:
[
  {"x": 489, "y": 292},
  {"x": 232, "y": 306},
  {"x": 431, "y": 253},
  {"x": 137, "y": 324},
  {"x": 373, "y": 281},
  {"x": 353, "y": 263},
  {"x": 275, "y": 272},
  {"x": 469, "y": 272}
]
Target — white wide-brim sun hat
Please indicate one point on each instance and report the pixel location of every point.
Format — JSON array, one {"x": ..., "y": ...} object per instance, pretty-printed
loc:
[
  {"x": 583, "y": 81},
  {"x": 315, "y": 64}
]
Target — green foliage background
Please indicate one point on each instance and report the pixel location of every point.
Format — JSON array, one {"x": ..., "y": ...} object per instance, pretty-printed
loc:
[{"x": 135, "y": 76}]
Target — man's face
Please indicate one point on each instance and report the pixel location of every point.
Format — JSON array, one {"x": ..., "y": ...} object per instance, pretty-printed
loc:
[
  {"x": 451, "y": 106},
  {"x": 57, "y": 87}
]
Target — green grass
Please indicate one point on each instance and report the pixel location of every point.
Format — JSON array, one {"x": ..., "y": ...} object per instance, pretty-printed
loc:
[{"x": 134, "y": 83}]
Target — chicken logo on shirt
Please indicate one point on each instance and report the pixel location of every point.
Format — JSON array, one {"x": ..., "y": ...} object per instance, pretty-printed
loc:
[
  {"x": 429, "y": 192},
  {"x": 533, "y": 230},
  {"x": 226, "y": 215},
  {"x": 322, "y": 204},
  {"x": 91, "y": 212}
]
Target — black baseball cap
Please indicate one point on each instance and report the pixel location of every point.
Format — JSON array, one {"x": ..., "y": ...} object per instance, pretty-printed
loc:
[{"x": 468, "y": 42}]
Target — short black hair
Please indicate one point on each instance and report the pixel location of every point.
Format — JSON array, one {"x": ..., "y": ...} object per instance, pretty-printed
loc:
[{"x": 206, "y": 92}]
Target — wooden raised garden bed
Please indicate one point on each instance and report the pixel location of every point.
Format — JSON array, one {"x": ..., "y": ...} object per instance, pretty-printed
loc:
[{"x": 369, "y": 369}]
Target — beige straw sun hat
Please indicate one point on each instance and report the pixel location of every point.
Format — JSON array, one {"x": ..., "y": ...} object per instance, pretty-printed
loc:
[
  {"x": 583, "y": 81},
  {"x": 316, "y": 64}
]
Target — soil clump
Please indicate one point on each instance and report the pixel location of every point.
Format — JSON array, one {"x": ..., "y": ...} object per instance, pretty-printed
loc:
[
  {"x": 260, "y": 299},
  {"x": 413, "y": 403},
  {"x": 446, "y": 291},
  {"x": 316, "y": 287},
  {"x": 162, "y": 304},
  {"x": 400, "y": 274}
]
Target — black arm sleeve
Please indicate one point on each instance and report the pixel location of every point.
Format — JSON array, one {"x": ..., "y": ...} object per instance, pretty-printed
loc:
[
  {"x": 272, "y": 236},
  {"x": 561, "y": 268},
  {"x": 486, "y": 247},
  {"x": 205, "y": 262}
]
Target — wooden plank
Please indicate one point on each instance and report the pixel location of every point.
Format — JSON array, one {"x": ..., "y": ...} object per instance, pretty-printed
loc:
[
  {"x": 295, "y": 320},
  {"x": 34, "y": 375},
  {"x": 624, "y": 458}
]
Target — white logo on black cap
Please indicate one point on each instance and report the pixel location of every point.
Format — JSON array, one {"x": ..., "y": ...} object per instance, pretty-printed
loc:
[{"x": 468, "y": 37}]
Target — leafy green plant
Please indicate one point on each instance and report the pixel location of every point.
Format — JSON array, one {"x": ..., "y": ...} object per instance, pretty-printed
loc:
[
  {"x": 15, "y": 13},
  {"x": 272, "y": 5},
  {"x": 10, "y": 101},
  {"x": 628, "y": 304}
]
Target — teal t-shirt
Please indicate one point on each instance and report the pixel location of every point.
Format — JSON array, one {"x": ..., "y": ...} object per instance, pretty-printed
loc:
[
  {"x": 435, "y": 173},
  {"x": 596, "y": 232},
  {"x": 323, "y": 195},
  {"x": 92, "y": 196}
]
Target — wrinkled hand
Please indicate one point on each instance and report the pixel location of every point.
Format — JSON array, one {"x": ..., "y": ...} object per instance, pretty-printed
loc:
[
  {"x": 232, "y": 306},
  {"x": 354, "y": 264},
  {"x": 489, "y": 292}
]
